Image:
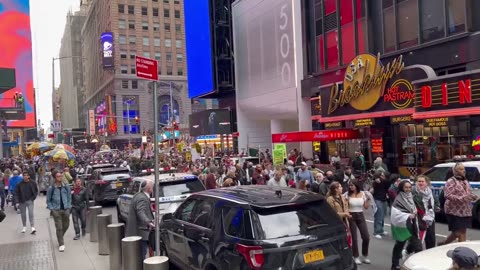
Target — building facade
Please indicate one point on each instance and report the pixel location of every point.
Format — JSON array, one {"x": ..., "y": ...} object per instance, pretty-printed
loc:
[
  {"x": 56, "y": 105},
  {"x": 122, "y": 103},
  {"x": 71, "y": 74},
  {"x": 401, "y": 71}
]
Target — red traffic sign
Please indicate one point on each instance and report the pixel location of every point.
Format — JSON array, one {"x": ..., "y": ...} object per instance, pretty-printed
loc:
[{"x": 146, "y": 68}]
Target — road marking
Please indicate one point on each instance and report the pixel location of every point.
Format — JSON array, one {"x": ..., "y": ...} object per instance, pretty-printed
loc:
[{"x": 388, "y": 225}]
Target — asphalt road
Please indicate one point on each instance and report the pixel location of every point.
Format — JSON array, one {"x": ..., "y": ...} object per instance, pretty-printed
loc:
[{"x": 380, "y": 252}]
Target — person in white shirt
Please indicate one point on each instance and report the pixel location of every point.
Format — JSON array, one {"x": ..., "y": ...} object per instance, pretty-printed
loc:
[{"x": 277, "y": 180}]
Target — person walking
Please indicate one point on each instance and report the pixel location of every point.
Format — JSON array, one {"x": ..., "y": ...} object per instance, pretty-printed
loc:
[
  {"x": 380, "y": 190},
  {"x": 458, "y": 205},
  {"x": 339, "y": 203},
  {"x": 59, "y": 201},
  {"x": 79, "y": 208},
  {"x": 13, "y": 182},
  {"x": 3, "y": 193},
  {"x": 140, "y": 217},
  {"x": 357, "y": 202},
  {"x": 426, "y": 205},
  {"x": 404, "y": 224},
  {"x": 25, "y": 194}
]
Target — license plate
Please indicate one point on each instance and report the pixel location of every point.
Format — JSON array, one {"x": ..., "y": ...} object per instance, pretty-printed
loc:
[
  {"x": 313, "y": 256},
  {"x": 113, "y": 185},
  {"x": 119, "y": 184}
]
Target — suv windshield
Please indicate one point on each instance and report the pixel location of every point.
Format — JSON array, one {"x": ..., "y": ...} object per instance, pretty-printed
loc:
[
  {"x": 292, "y": 220},
  {"x": 168, "y": 189}
]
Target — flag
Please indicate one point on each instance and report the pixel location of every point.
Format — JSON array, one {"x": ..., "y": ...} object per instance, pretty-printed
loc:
[{"x": 399, "y": 219}]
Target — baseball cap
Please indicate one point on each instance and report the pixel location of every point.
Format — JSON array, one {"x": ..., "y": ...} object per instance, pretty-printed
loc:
[
  {"x": 303, "y": 163},
  {"x": 463, "y": 256}
]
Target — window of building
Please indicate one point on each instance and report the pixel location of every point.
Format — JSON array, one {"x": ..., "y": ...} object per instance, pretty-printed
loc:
[
  {"x": 158, "y": 56},
  {"x": 407, "y": 23},
  {"x": 168, "y": 43},
  {"x": 331, "y": 37},
  {"x": 347, "y": 30},
  {"x": 134, "y": 84},
  {"x": 146, "y": 54},
  {"x": 178, "y": 43},
  {"x": 433, "y": 20},
  {"x": 389, "y": 26},
  {"x": 165, "y": 1},
  {"x": 121, "y": 8},
  {"x": 132, "y": 55},
  {"x": 124, "y": 84},
  {"x": 145, "y": 25},
  {"x": 168, "y": 56},
  {"x": 155, "y": 1},
  {"x": 123, "y": 69},
  {"x": 144, "y": 11},
  {"x": 146, "y": 41},
  {"x": 133, "y": 70},
  {"x": 131, "y": 9},
  {"x": 156, "y": 27},
  {"x": 169, "y": 71},
  {"x": 179, "y": 57},
  {"x": 180, "y": 71},
  {"x": 156, "y": 42},
  {"x": 159, "y": 70},
  {"x": 131, "y": 24},
  {"x": 121, "y": 24},
  {"x": 122, "y": 39},
  {"x": 178, "y": 27},
  {"x": 123, "y": 54},
  {"x": 130, "y": 112},
  {"x": 456, "y": 16},
  {"x": 132, "y": 40},
  {"x": 167, "y": 27},
  {"x": 176, "y": 2},
  {"x": 177, "y": 14},
  {"x": 155, "y": 12},
  {"x": 166, "y": 13}
]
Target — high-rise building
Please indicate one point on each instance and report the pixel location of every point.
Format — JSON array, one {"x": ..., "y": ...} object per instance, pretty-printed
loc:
[
  {"x": 56, "y": 105},
  {"x": 71, "y": 75},
  {"x": 152, "y": 29}
]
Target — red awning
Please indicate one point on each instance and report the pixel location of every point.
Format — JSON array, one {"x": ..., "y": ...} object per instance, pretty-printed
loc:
[
  {"x": 315, "y": 136},
  {"x": 447, "y": 113}
]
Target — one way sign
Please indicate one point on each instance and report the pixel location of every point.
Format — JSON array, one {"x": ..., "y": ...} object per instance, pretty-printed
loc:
[{"x": 56, "y": 126}]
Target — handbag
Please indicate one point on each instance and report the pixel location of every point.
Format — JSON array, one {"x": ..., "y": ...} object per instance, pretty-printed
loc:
[{"x": 2, "y": 215}]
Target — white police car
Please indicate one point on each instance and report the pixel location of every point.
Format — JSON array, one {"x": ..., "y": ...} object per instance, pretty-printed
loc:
[{"x": 173, "y": 190}]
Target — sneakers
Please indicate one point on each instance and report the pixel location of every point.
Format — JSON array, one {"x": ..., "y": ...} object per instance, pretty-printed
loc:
[
  {"x": 365, "y": 260},
  {"x": 33, "y": 230},
  {"x": 24, "y": 230},
  {"x": 77, "y": 236},
  {"x": 357, "y": 261},
  {"x": 384, "y": 233},
  {"x": 404, "y": 255},
  {"x": 61, "y": 248},
  {"x": 84, "y": 232},
  {"x": 378, "y": 236}
]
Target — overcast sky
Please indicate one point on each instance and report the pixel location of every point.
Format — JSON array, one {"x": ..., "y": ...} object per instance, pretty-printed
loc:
[{"x": 48, "y": 23}]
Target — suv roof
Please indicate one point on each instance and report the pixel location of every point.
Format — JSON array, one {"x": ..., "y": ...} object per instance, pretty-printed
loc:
[
  {"x": 465, "y": 163},
  {"x": 262, "y": 196},
  {"x": 112, "y": 169},
  {"x": 166, "y": 177}
]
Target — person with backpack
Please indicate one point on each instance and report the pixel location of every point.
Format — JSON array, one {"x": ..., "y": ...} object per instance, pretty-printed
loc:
[{"x": 59, "y": 201}]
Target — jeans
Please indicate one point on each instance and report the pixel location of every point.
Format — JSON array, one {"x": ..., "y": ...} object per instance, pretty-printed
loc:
[
  {"x": 358, "y": 221},
  {"x": 2, "y": 197},
  {"x": 379, "y": 217},
  {"x": 79, "y": 214},
  {"x": 144, "y": 247},
  {"x": 414, "y": 245},
  {"x": 62, "y": 222},
  {"x": 28, "y": 205}
]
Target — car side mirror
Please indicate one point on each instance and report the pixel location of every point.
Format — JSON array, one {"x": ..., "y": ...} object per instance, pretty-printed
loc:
[{"x": 167, "y": 216}]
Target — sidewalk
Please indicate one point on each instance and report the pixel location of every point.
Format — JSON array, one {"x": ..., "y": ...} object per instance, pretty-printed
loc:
[{"x": 40, "y": 252}]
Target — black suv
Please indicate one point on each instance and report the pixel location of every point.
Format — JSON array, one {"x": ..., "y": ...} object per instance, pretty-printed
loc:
[{"x": 255, "y": 227}]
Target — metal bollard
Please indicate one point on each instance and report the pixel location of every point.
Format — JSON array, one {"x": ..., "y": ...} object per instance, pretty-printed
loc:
[
  {"x": 156, "y": 263},
  {"x": 115, "y": 233},
  {"x": 90, "y": 204},
  {"x": 132, "y": 253},
  {"x": 94, "y": 212},
  {"x": 103, "y": 220}
]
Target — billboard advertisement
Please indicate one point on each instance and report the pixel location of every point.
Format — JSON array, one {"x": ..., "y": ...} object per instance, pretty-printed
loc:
[
  {"x": 198, "y": 48},
  {"x": 107, "y": 49},
  {"x": 16, "y": 48},
  {"x": 210, "y": 122}
]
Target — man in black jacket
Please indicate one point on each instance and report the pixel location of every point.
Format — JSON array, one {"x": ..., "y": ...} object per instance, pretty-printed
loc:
[
  {"x": 79, "y": 208},
  {"x": 25, "y": 193}
]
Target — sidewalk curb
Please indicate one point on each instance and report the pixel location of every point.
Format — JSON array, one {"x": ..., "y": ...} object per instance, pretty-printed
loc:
[{"x": 54, "y": 257}]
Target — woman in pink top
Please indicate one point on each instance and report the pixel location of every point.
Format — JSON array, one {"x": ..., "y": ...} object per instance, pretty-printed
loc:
[{"x": 458, "y": 205}]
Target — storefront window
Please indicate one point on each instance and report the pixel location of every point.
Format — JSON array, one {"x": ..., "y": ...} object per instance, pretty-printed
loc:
[
  {"x": 456, "y": 16},
  {"x": 433, "y": 20},
  {"x": 407, "y": 21},
  {"x": 388, "y": 26}
]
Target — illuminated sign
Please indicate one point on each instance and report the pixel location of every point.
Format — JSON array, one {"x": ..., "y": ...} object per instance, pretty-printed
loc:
[
  {"x": 464, "y": 94},
  {"x": 377, "y": 145},
  {"x": 107, "y": 48},
  {"x": 404, "y": 119},
  {"x": 400, "y": 94},
  {"x": 364, "y": 82},
  {"x": 315, "y": 136},
  {"x": 476, "y": 143},
  {"x": 364, "y": 122},
  {"x": 436, "y": 122},
  {"x": 334, "y": 125}
]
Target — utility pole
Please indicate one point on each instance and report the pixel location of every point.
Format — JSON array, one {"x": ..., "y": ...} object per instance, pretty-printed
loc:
[{"x": 155, "y": 150}]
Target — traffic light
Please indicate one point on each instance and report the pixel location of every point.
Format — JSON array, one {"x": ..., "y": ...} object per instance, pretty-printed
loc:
[
  {"x": 175, "y": 125},
  {"x": 137, "y": 121}
]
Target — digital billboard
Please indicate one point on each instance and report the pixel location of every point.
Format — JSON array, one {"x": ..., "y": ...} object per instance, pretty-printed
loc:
[
  {"x": 16, "y": 48},
  {"x": 198, "y": 48},
  {"x": 210, "y": 122},
  {"x": 107, "y": 49}
]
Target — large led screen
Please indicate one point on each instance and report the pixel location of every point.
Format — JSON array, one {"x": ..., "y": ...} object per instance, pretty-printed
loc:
[
  {"x": 210, "y": 122},
  {"x": 16, "y": 52},
  {"x": 198, "y": 48}
]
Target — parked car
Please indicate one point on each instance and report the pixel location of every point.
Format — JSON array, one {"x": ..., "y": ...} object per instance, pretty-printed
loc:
[
  {"x": 255, "y": 227},
  {"x": 173, "y": 190},
  {"x": 107, "y": 184},
  {"x": 436, "y": 258},
  {"x": 90, "y": 168}
]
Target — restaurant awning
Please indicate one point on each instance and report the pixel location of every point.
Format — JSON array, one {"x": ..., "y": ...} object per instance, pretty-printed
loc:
[{"x": 315, "y": 136}]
